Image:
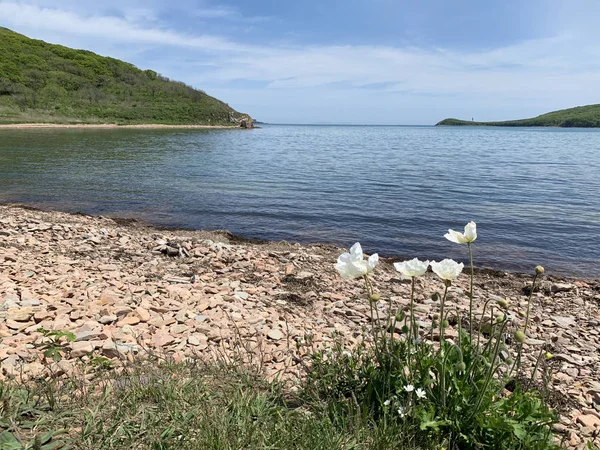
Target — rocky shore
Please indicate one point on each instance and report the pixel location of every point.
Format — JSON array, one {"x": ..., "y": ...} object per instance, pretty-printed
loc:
[{"x": 124, "y": 289}]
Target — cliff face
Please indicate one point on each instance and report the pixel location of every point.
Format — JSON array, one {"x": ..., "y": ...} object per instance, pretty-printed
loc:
[{"x": 42, "y": 82}]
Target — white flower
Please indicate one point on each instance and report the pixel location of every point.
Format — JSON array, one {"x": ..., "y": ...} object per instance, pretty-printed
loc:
[
  {"x": 412, "y": 268},
  {"x": 468, "y": 236},
  {"x": 402, "y": 411},
  {"x": 352, "y": 265},
  {"x": 409, "y": 388},
  {"x": 387, "y": 403},
  {"x": 448, "y": 269},
  {"x": 420, "y": 393}
]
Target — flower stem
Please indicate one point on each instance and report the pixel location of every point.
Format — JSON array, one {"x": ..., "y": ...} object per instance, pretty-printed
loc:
[
  {"x": 413, "y": 330},
  {"x": 442, "y": 316},
  {"x": 529, "y": 303},
  {"x": 471, "y": 294}
]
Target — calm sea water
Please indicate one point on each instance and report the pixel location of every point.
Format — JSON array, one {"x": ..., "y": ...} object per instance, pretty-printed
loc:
[{"x": 534, "y": 193}]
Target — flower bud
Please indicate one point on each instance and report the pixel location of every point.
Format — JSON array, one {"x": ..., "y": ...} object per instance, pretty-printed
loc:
[
  {"x": 502, "y": 303},
  {"x": 539, "y": 270},
  {"x": 448, "y": 283},
  {"x": 435, "y": 296},
  {"x": 520, "y": 336},
  {"x": 521, "y": 313},
  {"x": 404, "y": 329},
  {"x": 445, "y": 324},
  {"x": 460, "y": 366},
  {"x": 436, "y": 316},
  {"x": 375, "y": 297},
  {"x": 549, "y": 355},
  {"x": 400, "y": 315},
  {"x": 509, "y": 361},
  {"x": 499, "y": 318}
]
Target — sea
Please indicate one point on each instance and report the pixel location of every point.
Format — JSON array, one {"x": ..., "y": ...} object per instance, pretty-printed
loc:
[{"x": 533, "y": 192}]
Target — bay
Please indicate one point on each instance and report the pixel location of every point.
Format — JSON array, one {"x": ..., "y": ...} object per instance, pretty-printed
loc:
[{"x": 534, "y": 192}]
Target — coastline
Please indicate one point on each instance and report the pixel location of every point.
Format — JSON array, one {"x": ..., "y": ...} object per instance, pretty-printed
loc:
[
  {"x": 126, "y": 287},
  {"x": 17, "y": 126}
]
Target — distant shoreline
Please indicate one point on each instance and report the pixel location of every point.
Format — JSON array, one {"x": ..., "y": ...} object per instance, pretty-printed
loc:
[{"x": 16, "y": 126}]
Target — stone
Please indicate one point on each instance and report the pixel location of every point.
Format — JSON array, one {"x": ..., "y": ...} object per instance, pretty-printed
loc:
[
  {"x": 160, "y": 340},
  {"x": 143, "y": 314},
  {"x": 275, "y": 334},
  {"x": 105, "y": 320},
  {"x": 89, "y": 336},
  {"x": 79, "y": 349},
  {"x": 590, "y": 421},
  {"x": 561, "y": 287},
  {"x": 20, "y": 316},
  {"x": 128, "y": 320}
]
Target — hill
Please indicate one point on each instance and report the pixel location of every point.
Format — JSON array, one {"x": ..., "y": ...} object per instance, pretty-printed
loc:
[
  {"x": 42, "y": 82},
  {"x": 581, "y": 116}
]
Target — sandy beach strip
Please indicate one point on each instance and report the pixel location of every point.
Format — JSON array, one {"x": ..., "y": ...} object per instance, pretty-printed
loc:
[{"x": 18, "y": 126}]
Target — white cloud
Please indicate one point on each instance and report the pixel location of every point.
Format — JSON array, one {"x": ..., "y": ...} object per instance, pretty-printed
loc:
[{"x": 557, "y": 71}]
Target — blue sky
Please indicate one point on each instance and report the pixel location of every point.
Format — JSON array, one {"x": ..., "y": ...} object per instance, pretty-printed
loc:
[{"x": 351, "y": 61}]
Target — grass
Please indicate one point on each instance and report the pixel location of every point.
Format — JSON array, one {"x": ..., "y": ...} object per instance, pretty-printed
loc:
[
  {"x": 42, "y": 82},
  {"x": 580, "y": 116},
  {"x": 182, "y": 406}
]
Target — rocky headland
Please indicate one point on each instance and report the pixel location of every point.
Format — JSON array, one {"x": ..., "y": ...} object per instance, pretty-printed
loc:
[{"x": 125, "y": 289}]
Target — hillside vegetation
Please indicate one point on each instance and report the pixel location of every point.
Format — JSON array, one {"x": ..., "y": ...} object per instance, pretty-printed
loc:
[
  {"x": 581, "y": 116},
  {"x": 41, "y": 82}
]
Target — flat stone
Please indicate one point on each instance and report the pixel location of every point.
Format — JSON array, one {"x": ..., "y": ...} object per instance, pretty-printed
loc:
[
  {"x": 105, "y": 320},
  {"x": 79, "y": 349},
  {"x": 589, "y": 420},
  {"x": 178, "y": 329},
  {"x": 160, "y": 340},
  {"x": 275, "y": 334},
  {"x": 128, "y": 320},
  {"x": 561, "y": 287},
  {"x": 143, "y": 314},
  {"x": 89, "y": 336},
  {"x": 20, "y": 316}
]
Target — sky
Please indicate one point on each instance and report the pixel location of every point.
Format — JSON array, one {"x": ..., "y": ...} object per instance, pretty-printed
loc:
[{"x": 354, "y": 61}]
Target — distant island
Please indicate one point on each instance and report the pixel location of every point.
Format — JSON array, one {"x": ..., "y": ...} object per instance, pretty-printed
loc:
[
  {"x": 581, "y": 116},
  {"x": 47, "y": 83}
]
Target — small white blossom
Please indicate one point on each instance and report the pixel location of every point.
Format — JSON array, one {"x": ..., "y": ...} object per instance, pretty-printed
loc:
[
  {"x": 387, "y": 403},
  {"x": 448, "y": 269},
  {"x": 467, "y": 237},
  {"x": 352, "y": 264},
  {"x": 409, "y": 388},
  {"x": 412, "y": 268},
  {"x": 420, "y": 393},
  {"x": 402, "y": 411}
]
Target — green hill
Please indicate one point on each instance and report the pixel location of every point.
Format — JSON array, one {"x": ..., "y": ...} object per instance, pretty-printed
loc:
[
  {"x": 581, "y": 116},
  {"x": 41, "y": 82}
]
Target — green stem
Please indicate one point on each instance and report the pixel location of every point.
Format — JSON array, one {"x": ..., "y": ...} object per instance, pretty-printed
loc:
[
  {"x": 490, "y": 372},
  {"x": 413, "y": 322},
  {"x": 471, "y": 294},
  {"x": 529, "y": 302},
  {"x": 443, "y": 369},
  {"x": 442, "y": 315}
]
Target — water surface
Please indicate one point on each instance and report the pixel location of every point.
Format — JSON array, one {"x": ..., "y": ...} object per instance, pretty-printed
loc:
[{"x": 534, "y": 193}]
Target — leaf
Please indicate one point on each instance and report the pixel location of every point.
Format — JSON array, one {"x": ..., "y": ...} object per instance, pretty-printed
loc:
[
  {"x": 518, "y": 430},
  {"x": 9, "y": 442}
]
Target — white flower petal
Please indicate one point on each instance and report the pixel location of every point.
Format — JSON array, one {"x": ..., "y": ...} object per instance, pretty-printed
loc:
[
  {"x": 448, "y": 269},
  {"x": 356, "y": 251},
  {"x": 455, "y": 236},
  {"x": 471, "y": 231},
  {"x": 372, "y": 262}
]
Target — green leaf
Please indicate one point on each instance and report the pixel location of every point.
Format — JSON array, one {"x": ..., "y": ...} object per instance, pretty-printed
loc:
[
  {"x": 9, "y": 442},
  {"x": 518, "y": 430}
]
